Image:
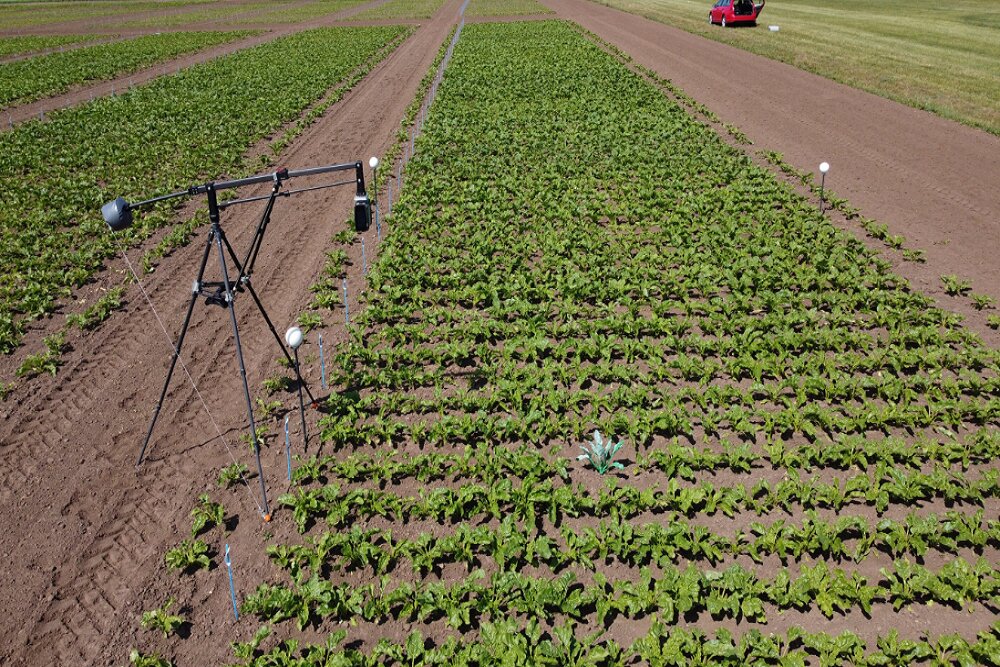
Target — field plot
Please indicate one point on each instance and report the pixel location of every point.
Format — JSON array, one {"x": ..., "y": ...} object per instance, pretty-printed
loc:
[
  {"x": 401, "y": 9},
  {"x": 805, "y": 439},
  {"x": 301, "y": 13},
  {"x": 46, "y": 75},
  {"x": 33, "y": 14},
  {"x": 505, "y": 8},
  {"x": 940, "y": 57},
  {"x": 154, "y": 138},
  {"x": 12, "y": 46}
]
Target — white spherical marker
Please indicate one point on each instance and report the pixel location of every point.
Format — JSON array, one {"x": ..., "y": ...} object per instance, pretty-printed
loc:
[
  {"x": 373, "y": 163},
  {"x": 294, "y": 337},
  {"x": 823, "y": 168}
]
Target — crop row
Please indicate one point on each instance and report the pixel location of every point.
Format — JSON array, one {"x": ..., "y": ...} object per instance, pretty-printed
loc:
[
  {"x": 159, "y": 137},
  {"x": 533, "y": 499},
  {"x": 504, "y": 643},
  {"x": 47, "y": 75},
  {"x": 508, "y": 547},
  {"x": 734, "y": 593},
  {"x": 489, "y": 464}
]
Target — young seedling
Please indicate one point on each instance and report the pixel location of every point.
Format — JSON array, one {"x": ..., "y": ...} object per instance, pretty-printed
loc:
[
  {"x": 161, "y": 619},
  {"x": 142, "y": 660},
  {"x": 189, "y": 555},
  {"x": 981, "y": 301},
  {"x": 267, "y": 409},
  {"x": 231, "y": 474},
  {"x": 953, "y": 285},
  {"x": 206, "y": 515},
  {"x": 277, "y": 383},
  {"x": 601, "y": 454},
  {"x": 993, "y": 321},
  {"x": 309, "y": 320}
]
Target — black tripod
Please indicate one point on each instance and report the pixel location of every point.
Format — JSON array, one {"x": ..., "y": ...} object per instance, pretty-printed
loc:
[{"x": 118, "y": 215}]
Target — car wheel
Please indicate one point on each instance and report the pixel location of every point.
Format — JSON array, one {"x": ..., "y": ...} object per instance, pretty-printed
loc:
[{"x": 723, "y": 21}]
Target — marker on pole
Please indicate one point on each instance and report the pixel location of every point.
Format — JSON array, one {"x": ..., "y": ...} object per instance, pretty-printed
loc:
[
  {"x": 232, "y": 587},
  {"x": 364, "y": 258},
  {"x": 288, "y": 450},
  {"x": 322, "y": 363},
  {"x": 823, "y": 168}
]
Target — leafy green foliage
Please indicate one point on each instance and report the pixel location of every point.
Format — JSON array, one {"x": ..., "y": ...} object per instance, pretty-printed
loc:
[
  {"x": 232, "y": 474},
  {"x": 161, "y": 619},
  {"x": 188, "y": 556},
  {"x": 100, "y": 311},
  {"x": 139, "y": 659},
  {"x": 206, "y": 514},
  {"x": 955, "y": 286},
  {"x": 48, "y": 361}
]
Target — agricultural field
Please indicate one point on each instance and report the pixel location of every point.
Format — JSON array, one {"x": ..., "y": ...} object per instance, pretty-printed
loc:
[
  {"x": 940, "y": 57},
  {"x": 603, "y": 384},
  {"x": 800, "y": 433},
  {"x": 45, "y": 75}
]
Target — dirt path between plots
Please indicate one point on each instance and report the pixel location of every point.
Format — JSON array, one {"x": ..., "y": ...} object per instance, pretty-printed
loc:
[
  {"x": 930, "y": 179},
  {"x": 86, "y": 534}
]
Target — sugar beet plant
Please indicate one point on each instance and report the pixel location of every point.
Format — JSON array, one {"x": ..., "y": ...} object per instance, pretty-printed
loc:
[{"x": 573, "y": 252}]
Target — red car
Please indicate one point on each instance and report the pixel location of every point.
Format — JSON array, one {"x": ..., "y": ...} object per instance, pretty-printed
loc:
[{"x": 735, "y": 12}]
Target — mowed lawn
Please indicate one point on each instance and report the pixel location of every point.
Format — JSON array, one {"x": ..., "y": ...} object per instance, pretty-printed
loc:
[{"x": 940, "y": 56}]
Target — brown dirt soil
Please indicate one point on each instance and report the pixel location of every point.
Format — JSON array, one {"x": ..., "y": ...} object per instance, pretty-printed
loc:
[{"x": 89, "y": 559}]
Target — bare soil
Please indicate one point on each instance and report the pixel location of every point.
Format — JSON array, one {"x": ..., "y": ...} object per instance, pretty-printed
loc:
[{"x": 89, "y": 558}]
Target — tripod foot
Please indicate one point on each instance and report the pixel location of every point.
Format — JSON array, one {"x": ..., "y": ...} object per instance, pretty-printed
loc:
[{"x": 267, "y": 518}]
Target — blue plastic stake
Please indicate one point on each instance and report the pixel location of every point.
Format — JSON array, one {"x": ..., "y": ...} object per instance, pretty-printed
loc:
[
  {"x": 322, "y": 363},
  {"x": 388, "y": 194},
  {"x": 232, "y": 587},
  {"x": 378, "y": 225},
  {"x": 347, "y": 315},
  {"x": 288, "y": 450}
]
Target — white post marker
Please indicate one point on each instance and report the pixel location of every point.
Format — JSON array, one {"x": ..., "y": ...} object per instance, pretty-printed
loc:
[
  {"x": 823, "y": 168},
  {"x": 294, "y": 339}
]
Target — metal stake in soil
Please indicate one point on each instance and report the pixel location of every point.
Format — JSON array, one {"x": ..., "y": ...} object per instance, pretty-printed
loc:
[
  {"x": 232, "y": 587},
  {"x": 288, "y": 450},
  {"x": 823, "y": 168}
]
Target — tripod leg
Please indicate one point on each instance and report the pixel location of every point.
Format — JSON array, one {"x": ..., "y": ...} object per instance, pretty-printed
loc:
[
  {"x": 245, "y": 282},
  {"x": 177, "y": 351},
  {"x": 302, "y": 407},
  {"x": 220, "y": 240},
  {"x": 281, "y": 343}
]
